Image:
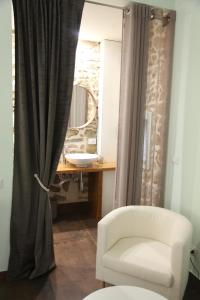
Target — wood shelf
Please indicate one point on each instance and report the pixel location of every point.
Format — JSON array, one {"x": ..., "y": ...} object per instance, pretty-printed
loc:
[
  {"x": 95, "y": 167},
  {"x": 95, "y": 178}
]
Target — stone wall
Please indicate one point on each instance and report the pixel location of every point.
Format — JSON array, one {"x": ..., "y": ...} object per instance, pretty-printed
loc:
[
  {"x": 67, "y": 187},
  {"x": 86, "y": 75}
]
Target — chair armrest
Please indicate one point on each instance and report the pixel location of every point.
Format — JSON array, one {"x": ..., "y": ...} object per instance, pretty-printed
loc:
[
  {"x": 180, "y": 260},
  {"x": 111, "y": 228}
]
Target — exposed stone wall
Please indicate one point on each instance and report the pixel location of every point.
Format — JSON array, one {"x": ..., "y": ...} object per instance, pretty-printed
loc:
[
  {"x": 67, "y": 188},
  {"x": 86, "y": 75}
]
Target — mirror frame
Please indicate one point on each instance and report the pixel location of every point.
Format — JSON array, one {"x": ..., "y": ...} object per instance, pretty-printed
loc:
[{"x": 94, "y": 110}]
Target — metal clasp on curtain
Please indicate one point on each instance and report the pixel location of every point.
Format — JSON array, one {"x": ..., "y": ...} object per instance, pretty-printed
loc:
[
  {"x": 41, "y": 184},
  {"x": 165, "y": 18}
]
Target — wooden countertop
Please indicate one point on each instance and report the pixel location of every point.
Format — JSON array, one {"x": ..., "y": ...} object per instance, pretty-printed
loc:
[{"x": 95, "y": 167}]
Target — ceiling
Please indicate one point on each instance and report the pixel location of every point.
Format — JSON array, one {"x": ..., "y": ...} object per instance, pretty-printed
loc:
[{"x": 101, "y": 22}]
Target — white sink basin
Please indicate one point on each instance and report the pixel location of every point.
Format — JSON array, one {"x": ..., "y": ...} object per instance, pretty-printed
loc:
[{"x": 81, "y": 159}]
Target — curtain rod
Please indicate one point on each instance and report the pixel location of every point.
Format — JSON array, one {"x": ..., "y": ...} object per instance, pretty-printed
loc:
[
  {"x": 103, "y": 4},
  {"x": 153, "y": 16}
]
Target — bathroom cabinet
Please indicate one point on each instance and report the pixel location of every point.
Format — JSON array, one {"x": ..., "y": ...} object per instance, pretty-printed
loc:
[{"x": 95, "y": 178}]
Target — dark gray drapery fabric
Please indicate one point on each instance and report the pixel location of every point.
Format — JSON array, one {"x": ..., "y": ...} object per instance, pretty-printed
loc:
[
  {"x": 136, "y": 20},
  {"x": 46, "y": 39}
]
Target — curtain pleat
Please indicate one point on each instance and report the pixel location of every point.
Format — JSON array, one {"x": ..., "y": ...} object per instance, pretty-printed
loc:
[
  {"x": 136, "y": 22},
  {"x": 46, "y": 34}
]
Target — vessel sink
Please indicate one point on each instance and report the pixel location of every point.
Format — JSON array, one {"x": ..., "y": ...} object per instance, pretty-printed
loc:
[{"x": 81, "y": 159}]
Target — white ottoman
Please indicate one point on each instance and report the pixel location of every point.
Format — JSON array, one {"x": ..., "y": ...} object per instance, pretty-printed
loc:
[{"x": 124, "y": 293}]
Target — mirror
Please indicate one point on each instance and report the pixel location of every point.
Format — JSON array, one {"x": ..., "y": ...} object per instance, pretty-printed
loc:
[{"x": 83, "y": 107}]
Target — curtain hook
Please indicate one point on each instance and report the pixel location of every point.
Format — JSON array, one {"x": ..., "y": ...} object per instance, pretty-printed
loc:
[
  {"x": 152, "y": 16},
  {"x": 127, "y": 11}
]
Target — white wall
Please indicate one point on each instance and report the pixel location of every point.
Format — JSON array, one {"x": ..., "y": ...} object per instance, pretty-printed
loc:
[
  {"x": 6, "y": 131},
  {"x": 100, "y": 22},
  {"x": 183, "y": 166},
  {"x": 170, "y": 4},
  {"x": 108, "y": 115}
]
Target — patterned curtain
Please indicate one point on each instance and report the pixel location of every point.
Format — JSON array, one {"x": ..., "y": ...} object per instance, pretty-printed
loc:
[{"x": 157, "y": 106}]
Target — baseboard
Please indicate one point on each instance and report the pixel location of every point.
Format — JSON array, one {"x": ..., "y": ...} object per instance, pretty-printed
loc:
[{"x": 3, "y": 275}]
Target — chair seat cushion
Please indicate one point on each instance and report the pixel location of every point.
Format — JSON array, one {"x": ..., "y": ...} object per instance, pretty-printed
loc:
[{"x": 145, "y": 259}]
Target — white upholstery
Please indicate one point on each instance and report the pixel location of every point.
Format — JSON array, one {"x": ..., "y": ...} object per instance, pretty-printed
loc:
[
  {"x": 143, "y": 258},
  {"x": 145, "y": 246}
]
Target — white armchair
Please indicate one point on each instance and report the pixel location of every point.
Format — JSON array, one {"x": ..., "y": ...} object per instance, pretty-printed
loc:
[{"x": 145, "y": 246}]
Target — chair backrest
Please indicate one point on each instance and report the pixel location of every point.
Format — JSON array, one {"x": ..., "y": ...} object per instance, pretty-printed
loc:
[{"x": 152, "y": 222}]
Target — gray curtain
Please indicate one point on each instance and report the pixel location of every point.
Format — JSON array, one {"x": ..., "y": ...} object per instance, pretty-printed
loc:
[
  {"x": 46, "y": 39},
  {"x": 136, "y": 21}
]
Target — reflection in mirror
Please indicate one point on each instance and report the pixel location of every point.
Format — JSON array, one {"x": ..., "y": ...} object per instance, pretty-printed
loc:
[
  {"x": 83, "y": 107},
  {"x": 78, "y": 112}
]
